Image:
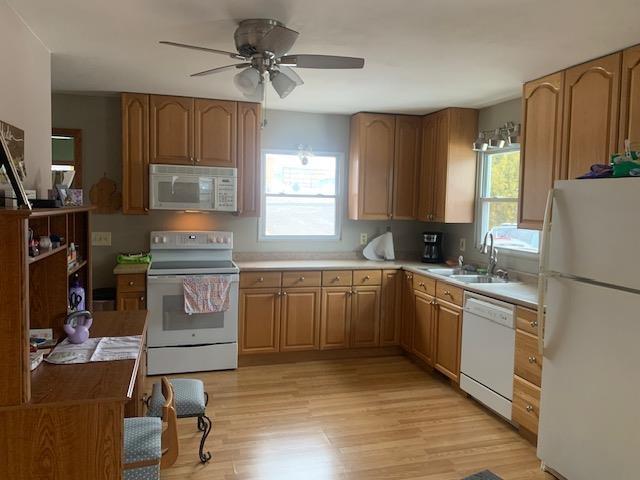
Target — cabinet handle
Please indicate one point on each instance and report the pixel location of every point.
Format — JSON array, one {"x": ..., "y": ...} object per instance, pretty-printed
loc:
[
  {"x": 301, "y": 279},
  {"x": 532, "y": 360},
  {"x": 421, "y": 284},
  {"x": 146, "y": 209},
  {"x": 261, "y": 279},
  {"x": 367, "y": 277},
  {"x": 448, "y": 294},
  {"x": 529, "y": 408},
  {"x": 279, "y": 294},
  {"x": 142, "y": 299},
  {"x": 131, "y": 283},
  {"x": 433, "y": 302},
  {"x": 354, "y": 291},
  {"x": 336, "y": 279},
  {"x": 197, "y": 160},
  {"x": 348, "y": 293},
  {"x": 533, "y": 324},
  {"x": 284, "y": 293}
]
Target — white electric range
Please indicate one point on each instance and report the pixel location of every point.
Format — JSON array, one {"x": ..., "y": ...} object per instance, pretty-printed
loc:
[{"x": 178, "y": 342}]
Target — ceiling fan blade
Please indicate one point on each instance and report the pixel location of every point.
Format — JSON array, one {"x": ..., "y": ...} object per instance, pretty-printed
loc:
[
  {"x": 203, "y": 49},
  {"x": 320, "y": 61},
  {"x": 278, "y": 40},
  {"x": 220, "y": 69}
]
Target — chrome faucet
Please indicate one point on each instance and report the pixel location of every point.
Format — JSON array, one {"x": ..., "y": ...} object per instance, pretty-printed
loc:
[{"x": 489, "y": 249}]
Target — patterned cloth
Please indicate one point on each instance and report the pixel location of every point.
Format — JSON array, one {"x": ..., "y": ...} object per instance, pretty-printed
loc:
[
  {"x": 188, "y": 394},
  {"x": 143, "y": 473},
  {"x": 142, "y": 439},
  {"x": 206, "y": 293}
]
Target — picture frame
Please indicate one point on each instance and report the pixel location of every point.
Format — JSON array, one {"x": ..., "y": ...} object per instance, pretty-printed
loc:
[{"x": 7, "y": 161}]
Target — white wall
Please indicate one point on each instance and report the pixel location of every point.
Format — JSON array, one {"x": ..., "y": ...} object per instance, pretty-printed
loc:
[
  {"x": 99, "y": 119},
  {"x": 25, "y": 94}
]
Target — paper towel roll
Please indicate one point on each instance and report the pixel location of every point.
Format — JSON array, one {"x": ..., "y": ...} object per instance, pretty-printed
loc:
[{"x": 380, "y": 248}]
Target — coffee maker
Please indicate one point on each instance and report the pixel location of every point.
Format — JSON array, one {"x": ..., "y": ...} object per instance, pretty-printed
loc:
[{"x": 432, "y": 247}]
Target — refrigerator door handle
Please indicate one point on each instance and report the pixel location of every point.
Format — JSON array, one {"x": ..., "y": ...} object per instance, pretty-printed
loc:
[{"x": 542, "y": 267}]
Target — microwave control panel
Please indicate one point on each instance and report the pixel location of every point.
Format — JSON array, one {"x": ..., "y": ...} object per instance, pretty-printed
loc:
[{"x": 226, "y": 194}]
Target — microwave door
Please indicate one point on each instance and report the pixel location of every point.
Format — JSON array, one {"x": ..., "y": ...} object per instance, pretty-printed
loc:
[{"x": 183, "y": 192}]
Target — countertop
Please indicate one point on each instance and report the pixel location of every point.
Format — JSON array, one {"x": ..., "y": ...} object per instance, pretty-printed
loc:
[{"x": 519, "y": 293}]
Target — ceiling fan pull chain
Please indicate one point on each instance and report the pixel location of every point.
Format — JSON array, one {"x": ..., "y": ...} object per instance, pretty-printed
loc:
[{"x": 264, "y": 105}]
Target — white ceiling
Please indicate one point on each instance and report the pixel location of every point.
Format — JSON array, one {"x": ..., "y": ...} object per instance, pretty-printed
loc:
[{"x": 421, "y": 55}]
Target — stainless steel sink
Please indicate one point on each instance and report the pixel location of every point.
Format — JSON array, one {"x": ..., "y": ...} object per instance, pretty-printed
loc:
[
  {"x": 478, "y": 279},
  {"x": 445, "y": 272}
]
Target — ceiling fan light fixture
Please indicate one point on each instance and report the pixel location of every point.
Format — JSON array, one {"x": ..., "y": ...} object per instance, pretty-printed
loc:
[
  {"x": 247, "y": 81},
  {"x": 282, "y": 83}
]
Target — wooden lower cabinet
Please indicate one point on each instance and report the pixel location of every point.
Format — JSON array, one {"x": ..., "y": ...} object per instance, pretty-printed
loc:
[
  {"x": 131, "y": 301},
  {"x": 335, "y": 318},
  {"x": 260, "y": 320},
  {"x": 423, "y": 327},
  {"x": 407, "y": 312},
  {"x": 526, "y": 404},
  {"x": 390, "y": 307},
  {"x": 131, "y": 291},
  {"x": 448, "y": 329},
  {"x": 300, "y": 320},
  {"x": 365, "y": 317}
]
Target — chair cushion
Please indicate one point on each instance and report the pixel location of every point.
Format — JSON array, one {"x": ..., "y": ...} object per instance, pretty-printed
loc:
[
  {"x": 189, "y": 395},
  {"x": 143, "y": 473},
  {"x": 142, "y": 439}
]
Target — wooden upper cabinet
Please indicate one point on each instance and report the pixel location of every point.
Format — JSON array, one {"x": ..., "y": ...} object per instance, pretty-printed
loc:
[
  {"x": 390, "y": 307},
  {"x": 590, "y": 130},
  {"x": 371, "y": 157},
  {"x": 541, "y": 149},
  {"x": 135, "y": 153},
  {"x": 448, "y": 331},
  {"x": 300, "y": 329},
  {"x": 630, "y": 98},
  {"x": 406, "y": 166},
  {"x": 171, "y": 130},
  {"x": 448, "y": 166},
  {"x": 215, "y": 133},
  {"x": 422, "y": 344},
  {"x": 249, "y": 159},
  {"x": 259, "y": 320},
  {"x": 365, "y": 317}
]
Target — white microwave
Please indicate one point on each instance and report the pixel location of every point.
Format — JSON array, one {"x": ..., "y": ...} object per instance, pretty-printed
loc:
[{"x": 173, "y": 187}]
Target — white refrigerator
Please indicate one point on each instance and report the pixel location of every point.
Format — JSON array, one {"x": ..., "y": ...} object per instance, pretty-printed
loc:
[{"x": 590, "y": 283}]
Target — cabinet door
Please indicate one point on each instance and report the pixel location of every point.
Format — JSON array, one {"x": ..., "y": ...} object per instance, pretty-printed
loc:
[
  {"x": 171, "y": 130},
  {"x": 300, "y": 329},
  {"x": 215, "y": 138},
  {"x": 131, "y": 301},
  {"x": 590, "y": 130},
  {"x": 365, "y": 317},
  {"x": 260, "y": 320},
  {"x": 440, "y": 161},
  {"x": 630, "y": 98},
  {"x": 408, "y": 307},
  {"x": 249, "y": 159},
  {"x": 541, "y": 150},
  {"x": 448, "y": 325},
  {"x": 335, "y": 317},
  {"x": 390, "y": 307},
  {"x": 371, "y": 166},
  {"x": 406, "y": 166},
  {"x": 422, "y": 345},
  {"x": 426, "y": 191},
  {"x": 135, "y": 153}
]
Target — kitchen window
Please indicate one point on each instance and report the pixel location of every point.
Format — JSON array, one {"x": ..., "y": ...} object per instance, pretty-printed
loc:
[
  {"x": 300, "y": 196},
  {"x": 499, "y": 184}
]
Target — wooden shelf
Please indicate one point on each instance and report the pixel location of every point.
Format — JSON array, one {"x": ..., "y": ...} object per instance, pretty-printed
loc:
[
  {"x": 47, "y": 253},
  {"x": 76, "y": 267}
]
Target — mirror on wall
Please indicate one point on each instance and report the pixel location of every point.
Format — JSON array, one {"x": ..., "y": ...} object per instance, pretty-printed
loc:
[{"x": 66, "y": 153}]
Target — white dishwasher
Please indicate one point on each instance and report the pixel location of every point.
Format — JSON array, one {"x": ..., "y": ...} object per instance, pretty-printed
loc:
[{"x": 488, "y": 348}]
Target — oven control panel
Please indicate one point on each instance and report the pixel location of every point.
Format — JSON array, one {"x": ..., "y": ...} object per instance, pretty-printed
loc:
[{"x": 209, "y": 240}]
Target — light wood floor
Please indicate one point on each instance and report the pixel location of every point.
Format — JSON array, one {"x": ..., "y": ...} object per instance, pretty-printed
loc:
[{"x": 373, "y": 418}]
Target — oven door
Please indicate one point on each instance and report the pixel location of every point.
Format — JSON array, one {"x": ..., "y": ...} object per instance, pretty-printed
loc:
[
  {"x": 182, "y": 192},
  {"x": 169, "y": 325}
]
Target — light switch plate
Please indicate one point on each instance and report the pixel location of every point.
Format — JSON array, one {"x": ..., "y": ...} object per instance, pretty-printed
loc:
[
  {"x": 463, "y": 244},
  {"x": 101, "y": 239},
  {"x": 363, "y": 238}
]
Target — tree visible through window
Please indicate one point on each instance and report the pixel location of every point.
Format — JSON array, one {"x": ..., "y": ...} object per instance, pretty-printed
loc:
[
  {"x": 301, "y": 196},
  {"x": 498, "y": 202}
]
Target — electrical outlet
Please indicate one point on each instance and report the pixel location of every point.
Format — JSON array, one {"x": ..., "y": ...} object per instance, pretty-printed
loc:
[
  {"x": 101, "y": 239},
  {"x": 463, "y": 244},
  {"x": 363, "y": 238}
]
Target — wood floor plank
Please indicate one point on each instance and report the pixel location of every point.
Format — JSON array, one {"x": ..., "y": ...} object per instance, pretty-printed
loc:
[{"x": 377, "y": 418}]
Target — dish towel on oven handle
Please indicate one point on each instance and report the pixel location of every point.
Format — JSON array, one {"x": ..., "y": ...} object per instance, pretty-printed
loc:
[{"x": 206, "y": 293}]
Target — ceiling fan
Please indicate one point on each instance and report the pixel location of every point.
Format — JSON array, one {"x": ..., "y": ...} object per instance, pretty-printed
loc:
[{"x": 262, "y": 45}]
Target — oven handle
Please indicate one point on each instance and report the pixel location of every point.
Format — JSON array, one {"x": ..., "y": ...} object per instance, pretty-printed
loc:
[{"x": 164, "y": 279}]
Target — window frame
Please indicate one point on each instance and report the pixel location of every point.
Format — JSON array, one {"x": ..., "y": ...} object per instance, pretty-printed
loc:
[
  {"x": 481, "y": 201},
  {"x": 339, "y": 198}
]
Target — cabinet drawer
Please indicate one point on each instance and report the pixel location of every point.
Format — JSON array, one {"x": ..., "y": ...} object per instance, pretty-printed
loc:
[
  {"x": 260, "y": 279},
  {"x": 367, "y": 277},
  {"x": 301, "y": 279},
  {"x": 528, "y": 364},
  {"x": 527, "y": 320},
  {"x": 526, "y": 404},
  {"x": 449, "y": 293},
  {"x": 134, "y": 282},
  {"x": 336, "y": 278},
  {"x": 424, "y": 284}
]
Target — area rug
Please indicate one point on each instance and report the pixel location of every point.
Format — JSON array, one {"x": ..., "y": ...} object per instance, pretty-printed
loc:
[{"x": 484, "y": 475}]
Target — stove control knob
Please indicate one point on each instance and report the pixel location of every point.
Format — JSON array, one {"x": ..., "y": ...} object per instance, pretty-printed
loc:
[
  {"x": 218, "y": 239},
  {"x": 164, "y": 239},
  {"x": 210, "y": 239},
  {"x": 226, "y": 239},
  {"x": 156, "y": 239}
]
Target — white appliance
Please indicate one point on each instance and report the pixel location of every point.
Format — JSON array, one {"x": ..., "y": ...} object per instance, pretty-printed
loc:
[
  {"x": 589, "y": 413},
  {"x": 174, "y": 187},
  {"x": 178, "y": 342},
  {"x": 488, "y": 348}
]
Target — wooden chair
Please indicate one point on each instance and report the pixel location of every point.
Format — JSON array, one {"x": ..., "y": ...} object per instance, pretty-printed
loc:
[{"x": 148, "y": 446}]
